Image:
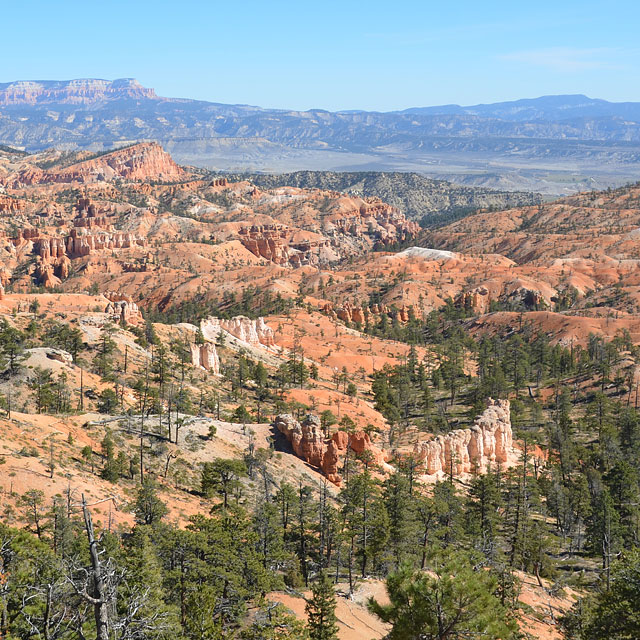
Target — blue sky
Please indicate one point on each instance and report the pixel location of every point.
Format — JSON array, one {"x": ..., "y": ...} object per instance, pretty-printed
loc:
[{"x": 332, "y": 55}]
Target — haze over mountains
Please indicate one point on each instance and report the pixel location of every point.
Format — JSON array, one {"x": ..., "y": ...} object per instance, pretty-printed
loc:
[{"x": 552, "y": 144}]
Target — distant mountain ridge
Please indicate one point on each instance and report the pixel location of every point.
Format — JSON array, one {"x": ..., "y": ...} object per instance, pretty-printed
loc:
[
  {"x": 91, "y": 90},
  {"x": 558, "y": 108},
  {"x": 545, "y": 117},
  {"x": 520, "y": 142},
  {"x": 81, "y": 91}
]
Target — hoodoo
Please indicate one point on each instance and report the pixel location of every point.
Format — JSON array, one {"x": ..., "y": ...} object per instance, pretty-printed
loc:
[
  {"x": 254, "y": 332},
  {"x": 309, "y": 443},
  {"x": 488, "y": 441}
]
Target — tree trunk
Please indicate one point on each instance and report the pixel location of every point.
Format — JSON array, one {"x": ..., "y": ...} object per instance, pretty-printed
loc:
[{"x": 98, "y": 596}]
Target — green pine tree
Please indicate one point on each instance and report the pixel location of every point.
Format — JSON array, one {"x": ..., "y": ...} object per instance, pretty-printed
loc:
[
  {"x": 451, "y": 601},
  {"x": 322, "y": 622}
]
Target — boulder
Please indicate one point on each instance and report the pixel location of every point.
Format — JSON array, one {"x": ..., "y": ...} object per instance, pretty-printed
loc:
[{"x": 58, "y": 354}]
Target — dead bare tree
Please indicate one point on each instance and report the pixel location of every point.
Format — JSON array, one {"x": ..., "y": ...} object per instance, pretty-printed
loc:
[
  {"x": 98, "y": 587},
  {"x": 99, "y": 597}
]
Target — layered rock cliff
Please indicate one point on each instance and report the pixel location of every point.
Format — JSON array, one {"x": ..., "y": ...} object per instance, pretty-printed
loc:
[
  {"x": 382, "y": 222},
  {"x": 143, "y": 161},
  {"x": 80, "y": 91},
  {"x": 349, "y": 227},
  {"x": 281, "y": 245},
  {"x": 81, "y": 242}
]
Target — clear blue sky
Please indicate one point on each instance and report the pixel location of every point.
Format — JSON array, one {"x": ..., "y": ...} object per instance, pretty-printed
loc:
[{"x": 332, "y": 55}]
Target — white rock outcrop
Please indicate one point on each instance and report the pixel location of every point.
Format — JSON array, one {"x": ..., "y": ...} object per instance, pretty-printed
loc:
[
  {"x": 488, "y": 441},
  {"x": 38, "y": 356},
  {"x": 428, "y": 254},
  {"x": 58, "y": 354},
  {"x": 254, "y": 332},
  {"x": 206, "y": 357}
]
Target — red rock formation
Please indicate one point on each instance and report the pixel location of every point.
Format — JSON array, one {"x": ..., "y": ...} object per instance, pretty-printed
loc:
[
  {"x": 5, "y": 277},
  {"x": 11, "y": 205},
  {"x": 341, "y": 440},
  {"x": 48, "y": 248},
  {"x": 144, "y": 161},
  {"x": 488, "y": 441},
  {"x": 88, "y": 215},
  {"x": 63, "y": 266},
  {"x": 374, "y": 222},
  {"x": 103, "y": 222},
  {"x": 348, "y": 312},
  {"x": 282, "y": 245},
  {"x": 136, "y": 267},
  {"x": 330, "y": 461},
  {"x": 81, "y": 243},
  {"x": 360, "y": 442},
  {"x": 477, "y": 300},
  {"x": 267, "y": 241},
  {"x": 309, "y": 443},
  {"x": 27, "y": 177},
  {"x": 306, "y": 438},
  {"x": 376, "y": 219},
  {"x": 529, "y": 298},
  {"x": 26, "y": 234},
  {"x": 44, "y": 274}
]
